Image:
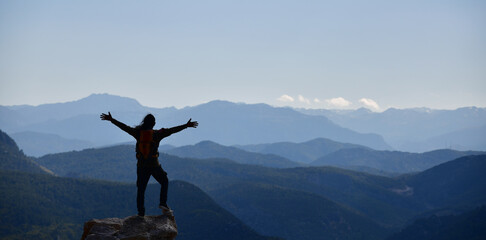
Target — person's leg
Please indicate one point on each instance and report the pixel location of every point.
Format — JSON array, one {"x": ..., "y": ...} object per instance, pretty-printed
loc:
[
  {"x": 143, "y": 176},
  {"x": 161, "y": 176}
]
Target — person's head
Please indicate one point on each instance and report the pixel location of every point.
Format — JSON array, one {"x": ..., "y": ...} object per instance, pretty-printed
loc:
[{"x": 148, "y": 122}]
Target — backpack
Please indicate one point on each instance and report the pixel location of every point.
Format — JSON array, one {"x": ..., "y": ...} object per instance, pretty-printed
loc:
[{"x": 146, "y": 145}]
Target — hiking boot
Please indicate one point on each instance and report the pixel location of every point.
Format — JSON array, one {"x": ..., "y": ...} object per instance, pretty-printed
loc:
[
  {"x": 141, "y": 212},
  {"x": 166, "y": 210}
]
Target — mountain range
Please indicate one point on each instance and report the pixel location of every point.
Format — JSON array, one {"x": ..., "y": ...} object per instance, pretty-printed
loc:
[
  {"x": 35, "y": 204},
  {"x": 290, "y": 203},
  {"x": 38, "y": 144},
  {"x": 77, "y": 125},
  {"x": 416, "y": 129},
  {"x": 218, "y": 176},
  {"x": 304, "y": 152},
  {"x": 322, "y": 152},
  {"x": 248, "y": 191},
  {"x": 254, "y": 170},
  {"x": 13, "y": 159},
  {"x": 40, "y": 206},
  {"x": 208, "y": 149},
  {"x": 389, "y": 161},
  {"x": 74, "y": 125},
  {"x": 220, "y": 121}
]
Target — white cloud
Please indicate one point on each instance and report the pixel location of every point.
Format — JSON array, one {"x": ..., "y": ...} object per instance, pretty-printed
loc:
[
  {"x": 285, "y": 98},
  {"x": 370, "y": 103},
  {"x": 338, "y": 102},
  {"x": 303, "y": 99},
  {"x": 316, "y": 100}
]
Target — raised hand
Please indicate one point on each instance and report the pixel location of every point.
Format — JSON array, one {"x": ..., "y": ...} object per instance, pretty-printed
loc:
[
  {"x": 106, "y": 117},
  {"x": 192, "y": 124}
]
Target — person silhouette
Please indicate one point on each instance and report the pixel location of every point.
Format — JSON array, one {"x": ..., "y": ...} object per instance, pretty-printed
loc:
[{"x": 147, "y": 155}]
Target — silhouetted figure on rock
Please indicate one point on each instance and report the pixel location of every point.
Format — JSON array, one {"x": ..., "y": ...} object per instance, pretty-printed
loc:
[{"x": 147, "y": 156}]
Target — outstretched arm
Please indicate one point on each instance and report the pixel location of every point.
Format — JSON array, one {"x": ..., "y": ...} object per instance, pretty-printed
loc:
[
  {"x": 168, "y": 131},
  {"x": 122, "y": 126}
]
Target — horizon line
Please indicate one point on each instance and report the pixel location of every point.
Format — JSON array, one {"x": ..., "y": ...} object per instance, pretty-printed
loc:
[{"x": 240, "y": 102}]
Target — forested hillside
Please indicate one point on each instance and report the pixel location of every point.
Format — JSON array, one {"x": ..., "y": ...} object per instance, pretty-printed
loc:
[
  {"x": 390, "y": 161},
  {"x": 468, "y": 225},
  {"x": 321, "y": 201},
  {"x": 37, "y": 206},
  {"x": 12, "y": 158},
  {"x": 305, "y": 152},
  {"x": 387, "y": 202},
  {"x": 208, "y": 149}
]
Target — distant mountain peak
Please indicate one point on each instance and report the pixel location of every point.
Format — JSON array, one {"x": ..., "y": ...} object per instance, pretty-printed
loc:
[
  {"x": 230, "y": 103},
  {"x": 105, "y": 97},
  {"x": 7, "y": 142},
  {"x": 219, "y": 102},
  {"x": 215, "y": 104},
  {"x": 207, "y": 143},
  {"x": 422, "y": 109},
  {"x": 364, "y": 110},
  {"x": 95, "y": 103},
  {"x": 13, "y": 159}
]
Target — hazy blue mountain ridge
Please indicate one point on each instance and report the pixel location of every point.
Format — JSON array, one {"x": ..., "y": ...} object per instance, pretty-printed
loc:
[
  {"x": 13, "y": 159},
  {"x": 38, "y": 144},
  {"x": 230, "y": 123},
  {"x": 93, "y": 104},
  {"x": 472, "y": 138},
  {"x": 220, "y": 121},
  {"x": 385, "y": 203},
  {"x": 208, "y": 149},
  {"x": 416, "y": 129},
  {"x": 407, "y": 129},
  {"x": 389, "y": 161},
  {"x": 214, "y": 174},
  {"x": 305, "y": 152},
  {"x": 43, "y": 224}
]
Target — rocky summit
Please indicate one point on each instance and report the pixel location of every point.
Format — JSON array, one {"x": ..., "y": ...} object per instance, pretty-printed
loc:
[{"x": 133, "y": 227}]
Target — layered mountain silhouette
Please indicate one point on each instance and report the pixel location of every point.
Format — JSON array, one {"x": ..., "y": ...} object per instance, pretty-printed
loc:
[
  {"x": 301, "y": 202},
  {"x": 348, "y": 156},
  {"x": 39, "y": 144},
  {"x": 305, "y": 152},
  {"x": 57, "y": 208},
  {"x": 417, "y": 129},
  {"x": 208, "y": 149},
  {"x": 387, "y": 202},
  {"x": 389, "y": 161},
  {"x": 214, "y": 175},
  {"x": 13, "y": 159},
  {"x": 35, "y": 204},
  {"x": 223, "y": 122}
]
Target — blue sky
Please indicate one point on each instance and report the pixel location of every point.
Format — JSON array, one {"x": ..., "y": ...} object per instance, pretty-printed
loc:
[{"x": 315, "y": 54}]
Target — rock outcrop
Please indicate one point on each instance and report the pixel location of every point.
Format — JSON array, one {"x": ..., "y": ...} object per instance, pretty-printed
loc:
[{"x": 134, "y": 227}]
